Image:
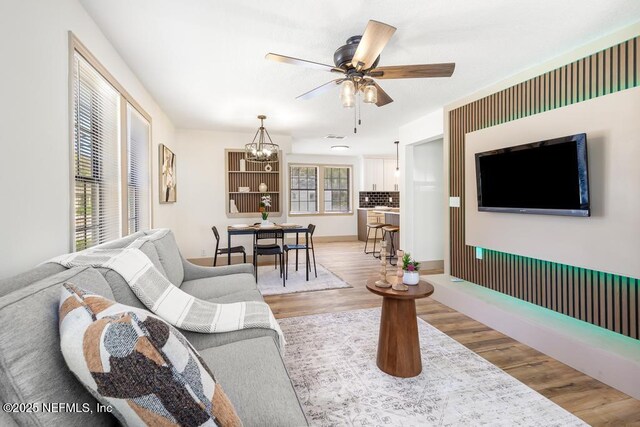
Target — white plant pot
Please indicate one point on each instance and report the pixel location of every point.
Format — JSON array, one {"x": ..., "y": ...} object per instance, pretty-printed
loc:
[
  {"x": 411, "y": 278},
  {"x": 265, "y": 223}
]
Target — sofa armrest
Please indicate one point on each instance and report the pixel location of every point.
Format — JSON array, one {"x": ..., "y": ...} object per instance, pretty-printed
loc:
[{"x": 193, "y": 271}]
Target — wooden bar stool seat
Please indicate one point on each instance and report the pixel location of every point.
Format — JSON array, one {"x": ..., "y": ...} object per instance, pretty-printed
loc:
[
  {"x": 390, "y": 230},
  {"x": 373, "y": 226}
]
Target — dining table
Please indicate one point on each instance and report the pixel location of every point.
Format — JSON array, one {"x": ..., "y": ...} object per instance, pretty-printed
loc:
[{"x": 242, "y": 229}]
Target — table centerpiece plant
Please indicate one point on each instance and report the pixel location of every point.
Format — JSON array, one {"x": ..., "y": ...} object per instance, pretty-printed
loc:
[
  {"x": 265, "y": 202},
  {"x": 410, "y": 266}
]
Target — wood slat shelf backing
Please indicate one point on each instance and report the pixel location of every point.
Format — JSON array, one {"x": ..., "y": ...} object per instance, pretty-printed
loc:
[
  {"x": 602, "y": 299},
  {"x": 249, "y": 202}
]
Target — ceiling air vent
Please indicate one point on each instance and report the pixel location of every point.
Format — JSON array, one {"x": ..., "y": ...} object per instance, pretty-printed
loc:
[{"x": 332, "y": 136}]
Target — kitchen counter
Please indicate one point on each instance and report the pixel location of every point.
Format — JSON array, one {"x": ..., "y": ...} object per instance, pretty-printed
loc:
[
  {"x": 391, "y": 216},
  {"x": 391, "y": 212}
]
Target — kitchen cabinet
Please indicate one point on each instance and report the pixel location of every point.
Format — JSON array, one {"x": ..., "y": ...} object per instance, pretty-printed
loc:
[
  {"x": 379, "y": 175},
  {"x": 390, "y": 180},
  {"x": 373, "y": 175}
]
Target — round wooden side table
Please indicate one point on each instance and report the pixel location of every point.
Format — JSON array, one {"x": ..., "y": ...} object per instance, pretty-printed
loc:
[{"x": 398, "y": 343}]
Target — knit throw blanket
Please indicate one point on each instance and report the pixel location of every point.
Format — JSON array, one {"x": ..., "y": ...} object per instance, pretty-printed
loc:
[{"x": 165, "y": 299}]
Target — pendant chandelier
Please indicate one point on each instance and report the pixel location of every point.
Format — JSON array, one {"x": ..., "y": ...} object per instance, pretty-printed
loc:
[{"x": 261, "y": 149}]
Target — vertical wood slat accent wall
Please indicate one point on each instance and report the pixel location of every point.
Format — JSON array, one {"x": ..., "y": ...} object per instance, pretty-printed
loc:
[{"x": 602, "y": 299}]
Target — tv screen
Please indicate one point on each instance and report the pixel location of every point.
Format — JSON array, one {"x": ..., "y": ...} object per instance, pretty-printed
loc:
[{"x": 546, "y": 177}]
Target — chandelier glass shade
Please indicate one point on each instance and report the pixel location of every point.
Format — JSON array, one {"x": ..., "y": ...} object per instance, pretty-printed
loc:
[
  {"x": 370, "y": 94},
  {"x": 262, "y": 149},
  {"x": 348, "y": 94}
]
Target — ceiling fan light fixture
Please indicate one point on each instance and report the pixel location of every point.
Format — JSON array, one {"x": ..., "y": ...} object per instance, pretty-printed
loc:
[
  {"x": 348, "y": 89},
  {"x": 262, "y": 149},
  {"x": 370, "y": 94},
  {"x": 348, "y": 101}
]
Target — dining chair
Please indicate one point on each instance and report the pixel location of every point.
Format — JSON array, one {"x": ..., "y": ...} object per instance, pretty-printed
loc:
[
  {"x": 274, "y": 249},
  {"x": 297, "y": 247},
  {"x": 223, "y": 251}
]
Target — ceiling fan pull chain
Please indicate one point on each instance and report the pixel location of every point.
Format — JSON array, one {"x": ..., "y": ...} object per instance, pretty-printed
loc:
[
  {"x": 359, "y": 110},
  {"x": 355, "y": 114}
]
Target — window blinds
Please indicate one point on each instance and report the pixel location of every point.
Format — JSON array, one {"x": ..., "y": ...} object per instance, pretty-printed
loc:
[
  {"x": 138, "y": 196},
  {"x": 96, "y": 157}
]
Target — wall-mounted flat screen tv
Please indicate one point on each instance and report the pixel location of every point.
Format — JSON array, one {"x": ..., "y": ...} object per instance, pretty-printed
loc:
[{"x": 546, "y": 177}]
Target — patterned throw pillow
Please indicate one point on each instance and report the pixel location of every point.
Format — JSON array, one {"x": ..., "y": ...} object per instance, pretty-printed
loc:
[{"x": 138, "y": 364}]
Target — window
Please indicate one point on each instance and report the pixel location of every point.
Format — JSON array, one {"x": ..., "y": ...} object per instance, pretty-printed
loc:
[
  {"x": 96, "y": 157},
  {"x": 111, "y": 177},
  {"x": 336, "y": 189},
  {"x": 304, "y": 189},
  {"x": 318, "y": 189},
  {"x": 138, "y": 184}
]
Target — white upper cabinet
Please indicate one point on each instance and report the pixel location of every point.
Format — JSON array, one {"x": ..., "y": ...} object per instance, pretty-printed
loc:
[
  {"x": 389, "y": 175},
  {"x": 373, "y": 175},
  {"x": 379, "y": 175}
]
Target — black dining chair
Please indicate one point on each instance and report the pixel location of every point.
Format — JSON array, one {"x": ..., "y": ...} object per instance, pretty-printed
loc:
[
  {"x": 297, "y": 247},
  {"x": 274, "y": 249},
  {"x": 222, "y": 251}
]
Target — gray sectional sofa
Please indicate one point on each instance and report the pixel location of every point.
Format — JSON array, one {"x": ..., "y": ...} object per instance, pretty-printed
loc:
[{"x": 246, "y": 363}]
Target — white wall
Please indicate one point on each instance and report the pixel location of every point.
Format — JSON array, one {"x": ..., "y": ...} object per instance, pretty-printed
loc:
[
  {"x": 426, "y": 218},
  {"x": 339, "y": 225},
  {"x": 201, "y": 189},
  {"x": 423, "y": 130},
  {"x": 34, "y": 107},
  {"x": 608, "y": 240}
]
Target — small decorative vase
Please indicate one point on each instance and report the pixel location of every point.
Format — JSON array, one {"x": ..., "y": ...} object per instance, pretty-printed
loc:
[
  {"x": 411, "y": 278},
  {"x": 262, "y": 187},
  {"x": 265, "y": 222}
]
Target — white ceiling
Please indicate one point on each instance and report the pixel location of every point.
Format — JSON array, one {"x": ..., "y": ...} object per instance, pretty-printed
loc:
[{"x": 203, "y": 60}]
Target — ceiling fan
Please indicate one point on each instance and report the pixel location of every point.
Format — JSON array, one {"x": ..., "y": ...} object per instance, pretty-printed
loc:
[{"x": 358, "y": 61}]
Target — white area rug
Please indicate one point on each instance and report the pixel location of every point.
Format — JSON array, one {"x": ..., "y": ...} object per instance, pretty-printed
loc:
[
  {"x": 270, "y": 282},
  {"x": 332, "y": 361}
]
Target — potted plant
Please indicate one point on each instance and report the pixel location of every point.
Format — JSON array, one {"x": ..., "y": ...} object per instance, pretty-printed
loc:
[
  {"x": 410, "y": 266},
  {"x": 265, "y": 202}
]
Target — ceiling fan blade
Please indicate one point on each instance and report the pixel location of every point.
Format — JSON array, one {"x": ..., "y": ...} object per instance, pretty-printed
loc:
[
  {"x": 383, "y": 98},
  {"x": 413, "y": 71},
  {"x": 296, "y": 61},
  {"x": 375, "y": 38},
  {"x": 320, "y": 89}
]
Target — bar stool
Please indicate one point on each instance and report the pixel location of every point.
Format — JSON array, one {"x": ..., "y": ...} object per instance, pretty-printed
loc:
[
  {"x": 391, "y": 230},
  {"x": 376, "y": 226}
]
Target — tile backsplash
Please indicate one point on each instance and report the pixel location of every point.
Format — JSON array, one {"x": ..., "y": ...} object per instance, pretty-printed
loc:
[{"x": 379, "y": 198}]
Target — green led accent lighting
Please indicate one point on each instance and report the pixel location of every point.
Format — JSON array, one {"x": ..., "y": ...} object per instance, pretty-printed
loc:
[{"x": 606, "y": 300}]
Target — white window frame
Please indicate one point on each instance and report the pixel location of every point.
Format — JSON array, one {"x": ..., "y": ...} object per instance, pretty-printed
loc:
[
  {"x": 76, "y": 46},
  {"x": 320, "y": 189}
]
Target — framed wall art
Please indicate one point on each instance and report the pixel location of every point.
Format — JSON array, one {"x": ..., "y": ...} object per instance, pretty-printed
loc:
[{"x": 167, "y": 175}]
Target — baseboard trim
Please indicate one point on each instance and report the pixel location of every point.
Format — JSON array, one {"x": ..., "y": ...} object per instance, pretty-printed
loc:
[
  {"x": 330, "y": 239},
  {"x": 235, "y": 259},
  {"x": 604, "y": 355}
]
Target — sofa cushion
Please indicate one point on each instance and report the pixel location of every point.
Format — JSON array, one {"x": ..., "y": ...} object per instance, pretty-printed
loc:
[
  {"x": 254, "y": 377},
  {"x": 220, "y": 286},
  {"x": 11, "y": 284},
  {"x": 122, "y": 293},
  {"x": 32, "y": 368},
  {"x": 170, "y": 258},
  {"x": 138, "y": 364}
]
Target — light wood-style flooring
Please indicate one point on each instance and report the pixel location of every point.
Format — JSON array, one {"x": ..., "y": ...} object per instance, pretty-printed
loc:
[{"x": 585, "y": 397}]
